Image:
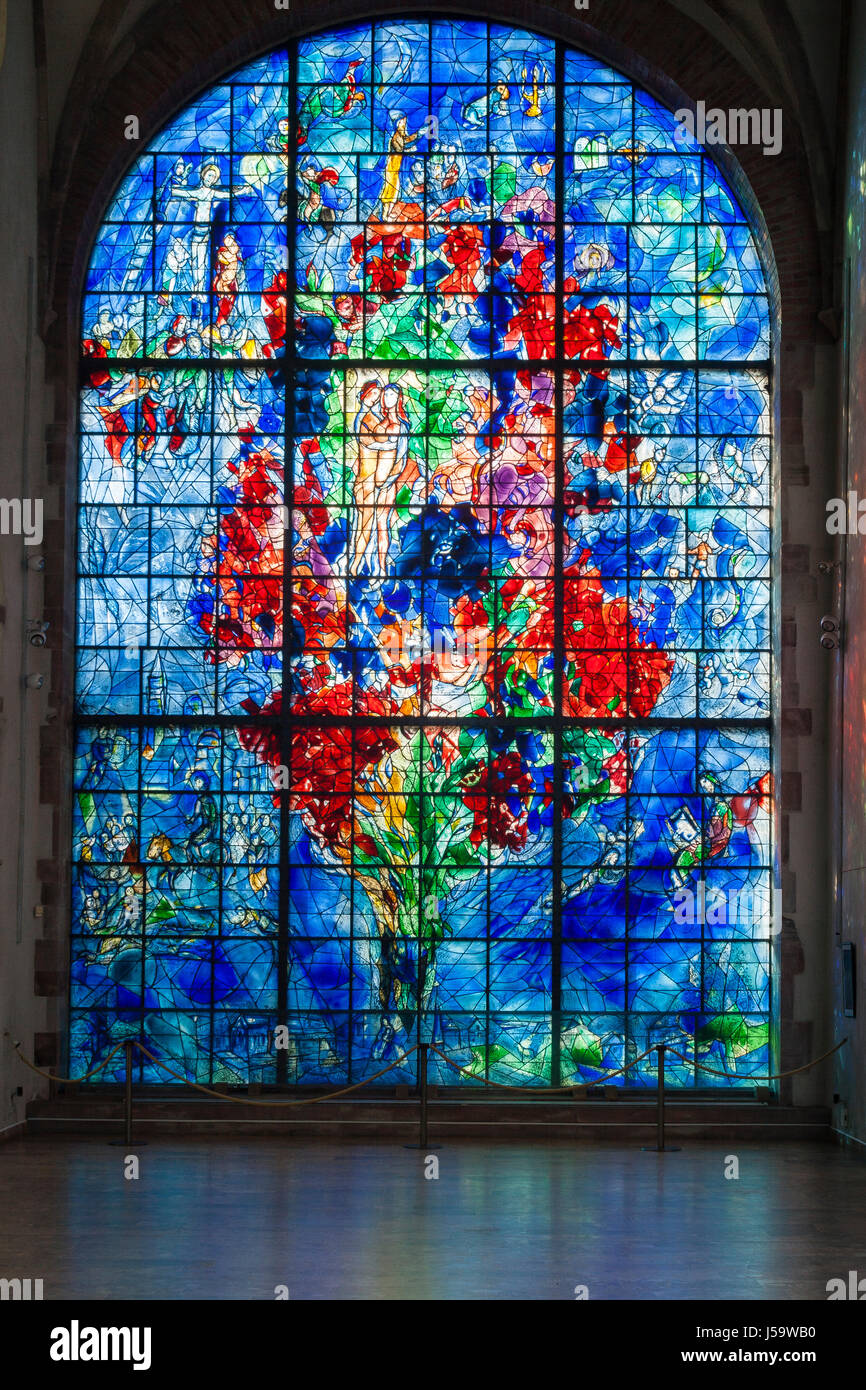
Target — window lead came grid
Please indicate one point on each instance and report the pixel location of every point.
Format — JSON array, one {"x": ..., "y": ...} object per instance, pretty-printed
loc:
[{"x": 425, "y": 615}]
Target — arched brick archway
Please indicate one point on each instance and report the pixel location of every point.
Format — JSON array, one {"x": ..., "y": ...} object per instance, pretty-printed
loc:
[
  {"x": 677, "y": 59},
  {"x": 151, "y": 74}
]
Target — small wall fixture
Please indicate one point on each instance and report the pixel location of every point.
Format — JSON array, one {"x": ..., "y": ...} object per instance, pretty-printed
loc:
[{"x": 830, "y": 635}]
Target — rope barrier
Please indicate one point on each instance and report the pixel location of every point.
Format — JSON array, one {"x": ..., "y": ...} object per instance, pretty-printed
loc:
[
  {"x": 248, "y": 1100},
  {"x": 776, "y": 1076},
  {"x": 424, "y": 1049},
  {"x": 358, "y": 1085},
  {"x": 208, "y": 1090},
  {"x": 66, "y": 1080}
]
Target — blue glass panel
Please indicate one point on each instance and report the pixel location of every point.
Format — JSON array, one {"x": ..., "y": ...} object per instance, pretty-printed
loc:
[{"x": 318, "y": 617}]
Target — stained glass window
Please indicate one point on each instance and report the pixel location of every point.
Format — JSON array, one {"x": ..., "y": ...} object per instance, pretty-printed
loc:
[{"x": 424, "y": 607}]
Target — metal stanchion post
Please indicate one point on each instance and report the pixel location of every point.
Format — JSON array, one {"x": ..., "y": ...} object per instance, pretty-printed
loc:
[
  {"x": 659, "y": 1146},
  {"x": 127, "y": 1096},
  {"x": 126, "y": 1141},
  {"x": 422, "y": 1085},
  {"x": 423, "y": 1141},
  {"x": 661, "y": 1099}
]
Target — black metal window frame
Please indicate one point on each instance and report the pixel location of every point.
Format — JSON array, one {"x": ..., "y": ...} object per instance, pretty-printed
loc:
[{"x": 284, "y": 370}]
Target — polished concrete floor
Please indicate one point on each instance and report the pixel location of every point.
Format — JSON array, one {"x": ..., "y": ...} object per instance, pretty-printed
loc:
[{"x": 213, "y": 1218}]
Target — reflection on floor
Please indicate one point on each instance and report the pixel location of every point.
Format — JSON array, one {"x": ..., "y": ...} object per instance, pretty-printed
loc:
[{"x": 232, "y": 1219}]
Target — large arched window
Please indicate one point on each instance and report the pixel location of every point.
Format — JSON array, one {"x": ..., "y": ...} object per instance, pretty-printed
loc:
[{"x": 424, "y": 681}]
